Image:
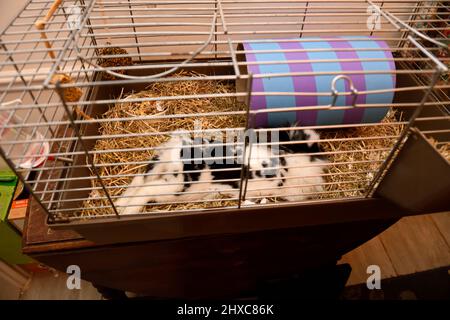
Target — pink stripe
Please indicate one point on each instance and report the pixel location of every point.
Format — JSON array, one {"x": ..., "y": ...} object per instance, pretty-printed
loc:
[
  {"x": 257, "y": 102},
  {"x": 354, "y": 115},
  {"x": 388, "y": 54},
  {"x": 302, "y": 83}
]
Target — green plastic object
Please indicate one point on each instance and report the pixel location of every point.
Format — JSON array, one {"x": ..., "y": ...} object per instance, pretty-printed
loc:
[{"x": 10, "y": 239}]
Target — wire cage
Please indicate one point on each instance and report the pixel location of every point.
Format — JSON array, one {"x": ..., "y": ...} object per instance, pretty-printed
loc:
[{"x": 93, "y": 90}]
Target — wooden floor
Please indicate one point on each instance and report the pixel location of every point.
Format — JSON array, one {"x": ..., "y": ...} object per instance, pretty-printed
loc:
[
  {"x": 412, "y": 245},
  {"x": 48, "y": 286},
  {"x": 53, "y": 287}
]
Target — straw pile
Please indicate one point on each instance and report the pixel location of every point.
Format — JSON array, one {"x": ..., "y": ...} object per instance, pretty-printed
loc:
[
  {"x": 445, "y": 151},
  {"x": 169, "y": 107},
  {"x": 442, "y": 147},
  {"x": 354, "y": 163}
]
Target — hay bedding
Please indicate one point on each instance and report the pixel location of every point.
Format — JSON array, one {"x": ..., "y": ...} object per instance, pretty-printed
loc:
[
  {"x": 337, "y": 181},
  {"x": 169, "y": 107},
  {"x": 355, "y": 170},
  {"x": 442, "y": 148}
]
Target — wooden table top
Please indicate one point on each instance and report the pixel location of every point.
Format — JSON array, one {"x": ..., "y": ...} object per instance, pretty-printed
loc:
[{"x": 38, "y": 237}]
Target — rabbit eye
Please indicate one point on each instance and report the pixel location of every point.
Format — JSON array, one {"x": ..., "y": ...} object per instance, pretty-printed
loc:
[{"x": 264, "y": 164}]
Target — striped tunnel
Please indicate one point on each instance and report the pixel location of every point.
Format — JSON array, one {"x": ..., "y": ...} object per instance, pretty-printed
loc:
[{"x": 357, "y": 48}]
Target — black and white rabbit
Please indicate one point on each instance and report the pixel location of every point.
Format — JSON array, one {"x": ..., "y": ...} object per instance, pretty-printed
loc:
[{"x": 185, "y": 170}]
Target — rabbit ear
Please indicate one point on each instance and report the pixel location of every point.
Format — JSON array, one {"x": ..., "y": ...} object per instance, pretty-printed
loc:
[
  {"x": 291, "y": 133},
  {"x": 311, "y": 137}
]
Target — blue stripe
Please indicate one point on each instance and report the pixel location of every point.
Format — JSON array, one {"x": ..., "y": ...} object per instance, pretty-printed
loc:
[
  {"x": 323, "y": 83},
  {"x": 375, "y": 81},
  {"x": 277, "y": 84}
]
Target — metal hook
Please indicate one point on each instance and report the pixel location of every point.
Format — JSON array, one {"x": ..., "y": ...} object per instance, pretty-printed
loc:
[{"x": 335, "y": 93}]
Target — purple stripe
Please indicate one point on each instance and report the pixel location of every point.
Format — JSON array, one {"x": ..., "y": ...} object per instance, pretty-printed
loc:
[
  {"x": 257, "y": 102},
  {"x": 354, "y": 115},
  {"x": 388, "y": 54},
  {"x": 302, "y": 83}
]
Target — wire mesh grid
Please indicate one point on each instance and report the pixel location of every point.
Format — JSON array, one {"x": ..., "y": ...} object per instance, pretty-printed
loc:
[
  {"x": 141, "y": 70},
  {"x": 435, "y": 22}
]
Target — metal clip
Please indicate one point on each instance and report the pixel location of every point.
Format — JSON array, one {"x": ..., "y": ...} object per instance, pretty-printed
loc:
[{"x": 335, "y": 93}]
